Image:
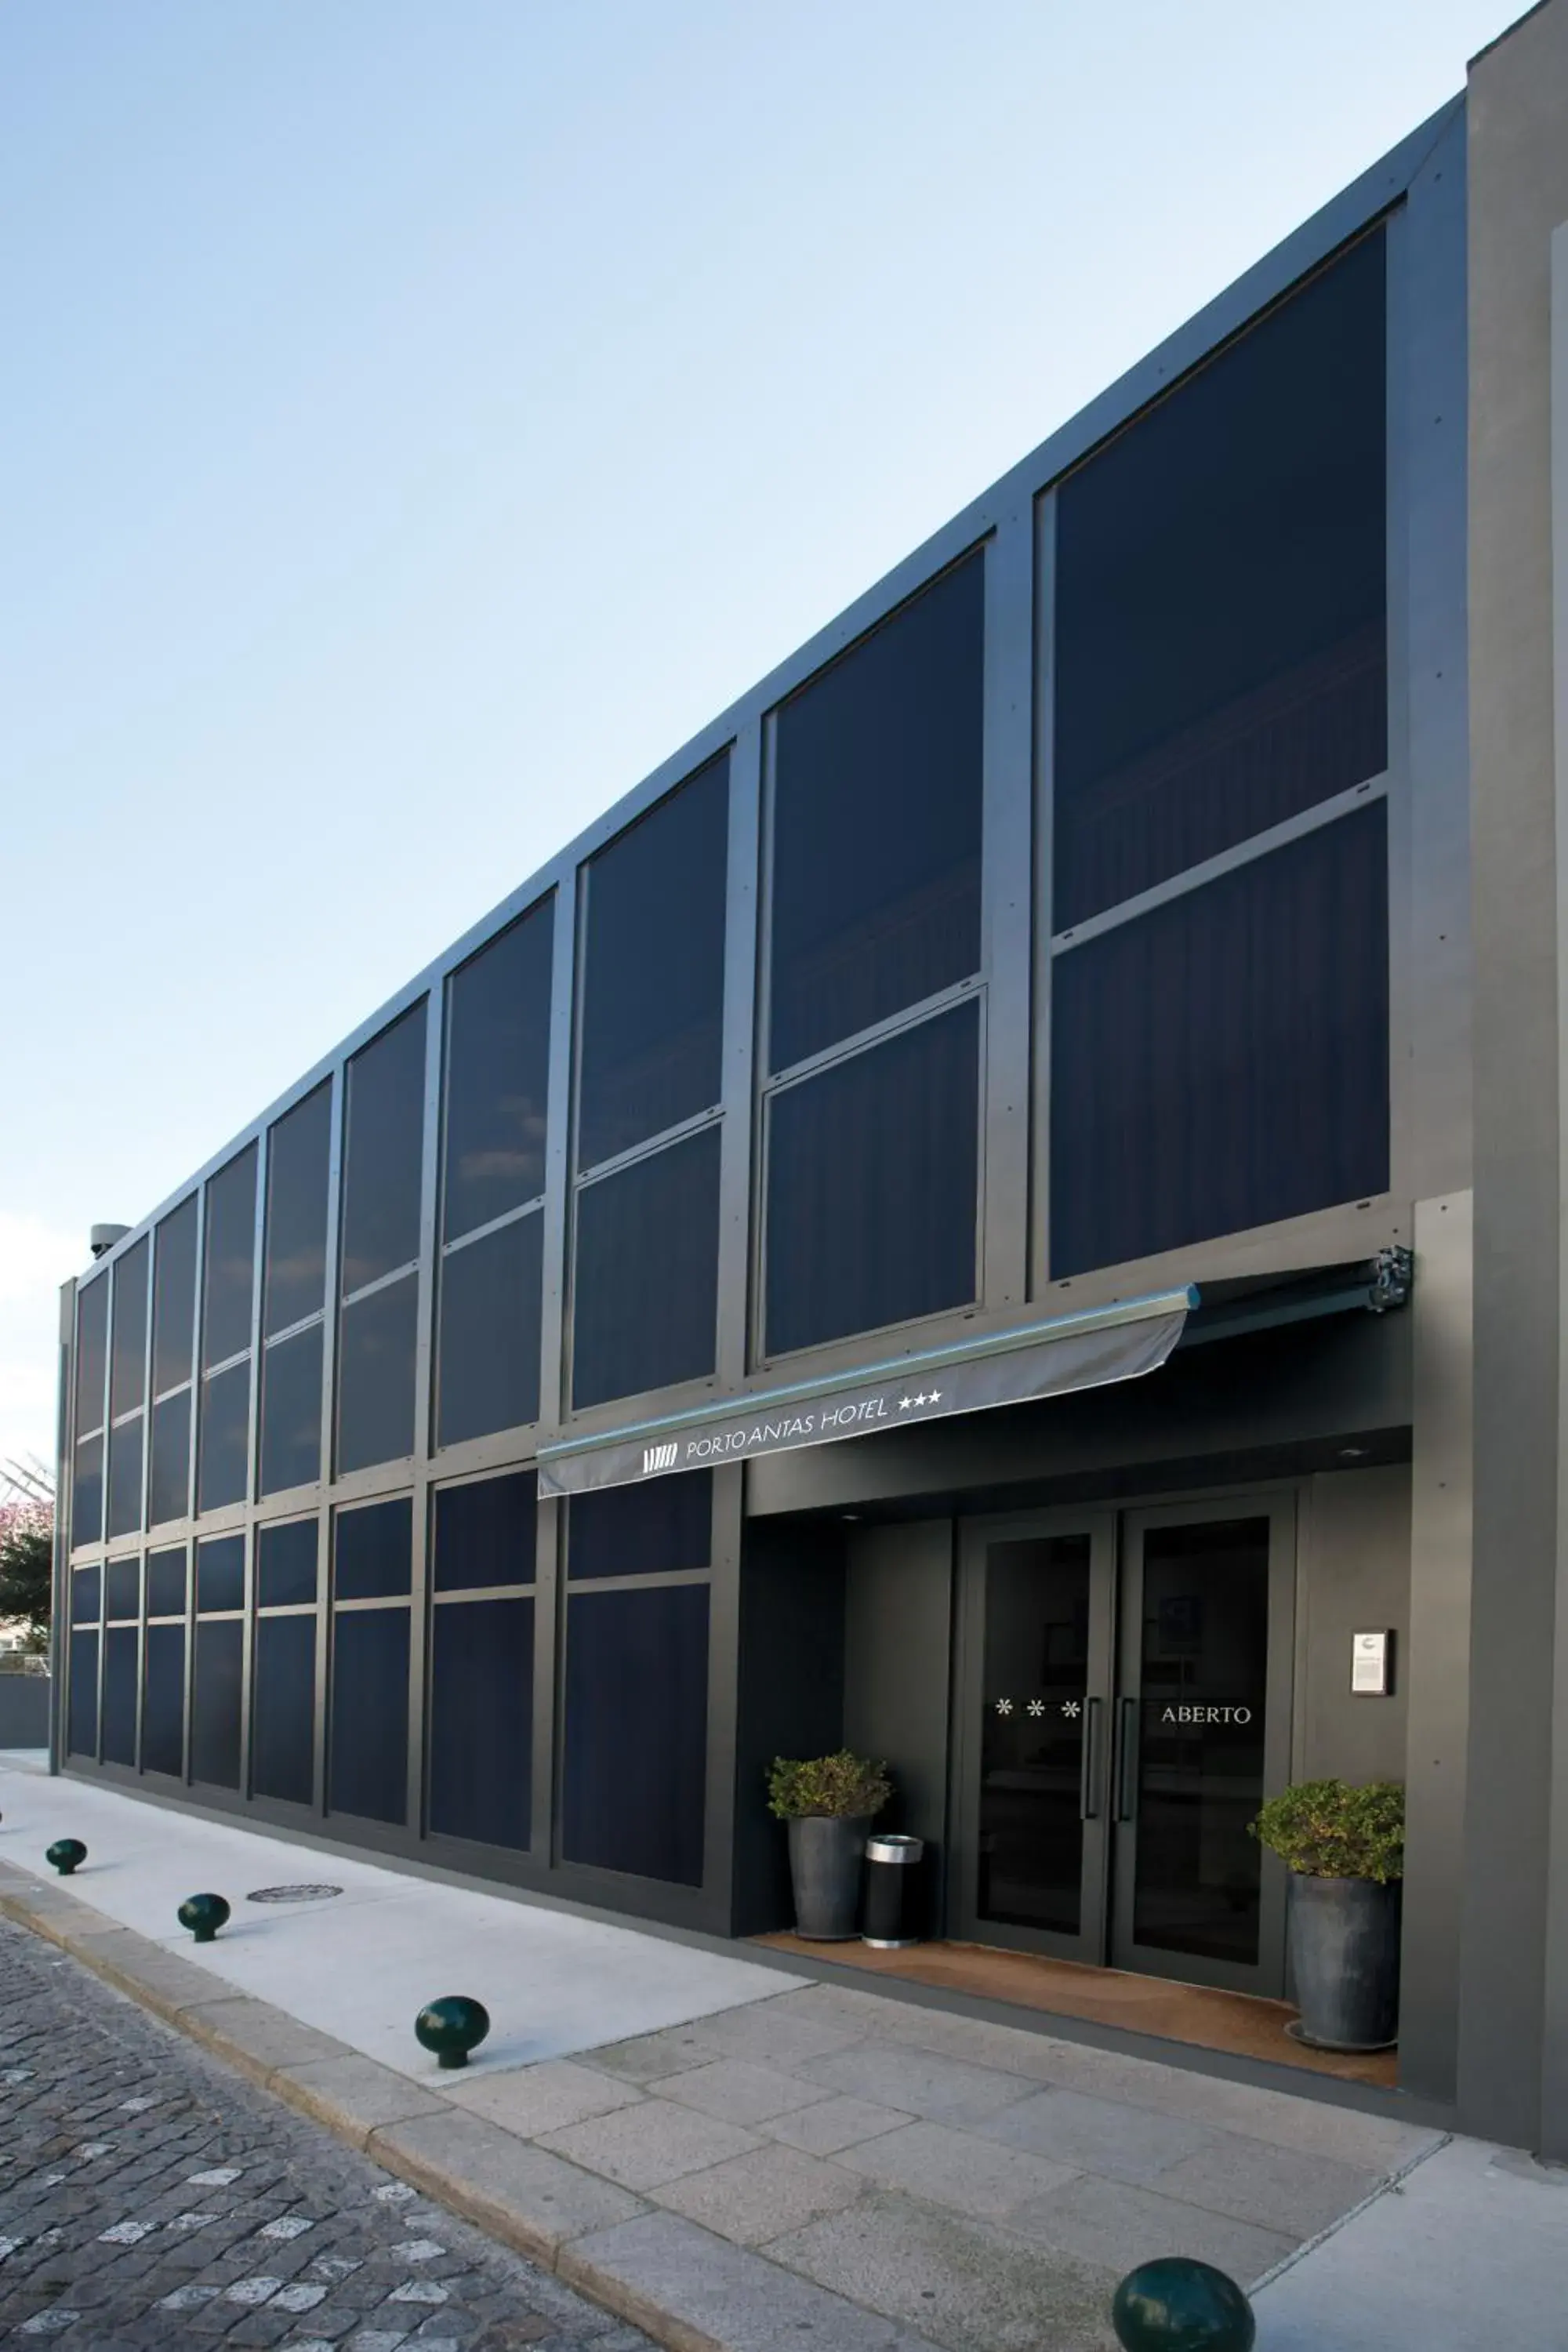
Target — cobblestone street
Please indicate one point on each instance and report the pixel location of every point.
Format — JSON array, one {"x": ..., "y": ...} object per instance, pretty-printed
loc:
[{"x": 150, "y": 2198}]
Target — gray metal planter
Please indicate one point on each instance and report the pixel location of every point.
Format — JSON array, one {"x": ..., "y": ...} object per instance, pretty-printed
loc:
[
  {"x": 825, "y": 1860},
  {"x": 1344, "y": 1955}
]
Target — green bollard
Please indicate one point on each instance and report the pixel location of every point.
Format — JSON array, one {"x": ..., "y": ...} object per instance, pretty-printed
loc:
[
  {"x": 203, "y": 1915},
  {"x": 452, "y": 2027},
  {"x": 1177, "y": 2304},
  {"x": 65, "y": 1854}
]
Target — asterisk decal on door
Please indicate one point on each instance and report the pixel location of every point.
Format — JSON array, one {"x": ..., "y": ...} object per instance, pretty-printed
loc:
[
  {"x": 1004, "y": 1706},
  {"x": 1071, "y": 1709},
  {"x": 1036, "y": 1706}
]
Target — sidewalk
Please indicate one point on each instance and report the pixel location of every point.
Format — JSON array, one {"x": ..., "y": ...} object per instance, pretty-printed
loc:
[{"x": 734, "y": 2157}]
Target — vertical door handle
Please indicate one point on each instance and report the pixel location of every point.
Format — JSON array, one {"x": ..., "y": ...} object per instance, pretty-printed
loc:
[
  {"x": 1088, "y": 1764},
  {"x": 1126, "y": 1757}
]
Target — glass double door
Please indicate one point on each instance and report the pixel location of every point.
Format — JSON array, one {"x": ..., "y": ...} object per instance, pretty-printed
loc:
[{"x": 1126, "y": 1684}]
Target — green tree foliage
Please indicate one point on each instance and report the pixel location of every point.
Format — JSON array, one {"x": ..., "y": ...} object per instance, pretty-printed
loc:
[{"x": 27, "y": 1553}]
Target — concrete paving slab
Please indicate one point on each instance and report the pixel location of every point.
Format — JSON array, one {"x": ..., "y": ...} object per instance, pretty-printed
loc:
[
  {"x": 258, "y": 2038},
  {"x": 48, "y": 1899},
  {"x": 1465, "y": 2256},
  {"x": 833, "y": 2124},
  {"x": 1096, "y": 2134},
  {"x": 653, "y": 2057},
  {"x": 534, "y": 2201},
  {"x": 702, "y": 2292},
  {"x": 968, "y": 2284},
  {"x": 895, "y": 2074},
  {"x": 354, "y": 2096},
  {"x": 859, "y": 2013},
  {"x": 753, "y": 2197},
  {"x": 978, "y": 2041},
  {"x": 164, "y": 1980},
  {"x": 360, "y": 1966},
  {"x": 1115, "y": 2224},
  {"x": 1376, "y": 2142},
  {"x": 739, "y": 2091},
  {"x": 640, "y": 2147},
  {"x": 954, "y": 2168},
  {"x": 531, "y": 2100},
  {"x": 785, "y": 2031},
  {"x": 1288, "y": 2189}
]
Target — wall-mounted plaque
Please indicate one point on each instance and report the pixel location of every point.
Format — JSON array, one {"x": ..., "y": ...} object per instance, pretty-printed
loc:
[{"x": 1372, "y": 1660}]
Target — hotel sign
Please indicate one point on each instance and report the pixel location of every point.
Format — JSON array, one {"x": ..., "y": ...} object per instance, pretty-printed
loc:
[{"x": 1045, "y": 1360}]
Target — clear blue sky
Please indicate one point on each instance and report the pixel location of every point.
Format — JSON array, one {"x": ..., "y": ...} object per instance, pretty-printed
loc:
[{"x": 420, "y": 415}]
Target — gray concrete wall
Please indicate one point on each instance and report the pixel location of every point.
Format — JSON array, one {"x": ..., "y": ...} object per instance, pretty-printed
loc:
[
  {"x": 24, "y": 1710},
  {"x": 790, "y": 1696},
  {"x": 1517, "y": 185},
  {"x": 1353, "y": 1576},
  {"x": 898, "y": 1647}
]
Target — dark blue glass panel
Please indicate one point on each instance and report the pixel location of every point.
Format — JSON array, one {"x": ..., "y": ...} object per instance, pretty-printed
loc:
[
  {"x": 127, "y": 1371},
  {"x": 230, "y": 1260},
  {"x": 876, "y": 823},
  {"x": 1223, "y": 1062},
  {"x": 368, "y": 1747},
  {"x": 871, "y": 1188},
  {"x": 120, "y": 1664},
  {"x": 485, "y": 1532},
  {"x": 125, "y": 1478},
  {"x": 636, "y": 1731},
  {"x": 294, "y": 1280},
  {"x": 215, "y": 1703},
  {"x": 375, "y": 1376},
  {"x": 220, "y": 1574},
  {"x": 498, "y": 1064},
  {"x": 643, "y": 1530},
  {"x": 286, "y": 1564},
  {"x": 82, "y": 1725},
  {"x": 86, "y": 1492},
  {"x": 169, "y": 1481},
  {"x": 1220, "y": 600},
  {"x": 87, "y": 1586},
  {"x": 384, "y": 1153},
  {"x": 91, "y": 1342},
  {"x": 282, "y": 1730},
  {"x": 224, "y": 1437},
  {"x": 291, "y": 1411},
  {"x": 490, "y": 1332},
  {"x": 163, "y": 1701},
  {"x": 173, "y": 1296},
  {"x": 166, "y": 1582},
  {"x": 123, "y": 1591},
  {"x": 653, "y": 974},
  {"x": 375, "y": 1550},
  {"x": 647, "y": 1273},
  {"x": 482, "y": 1720}
]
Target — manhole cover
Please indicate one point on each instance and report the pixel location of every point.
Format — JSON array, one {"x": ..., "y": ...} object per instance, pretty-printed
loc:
[{"x": 292, "y": 1894}]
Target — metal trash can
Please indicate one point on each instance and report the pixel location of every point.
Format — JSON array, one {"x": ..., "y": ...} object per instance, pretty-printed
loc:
[{"x": 891, "y": 1892}]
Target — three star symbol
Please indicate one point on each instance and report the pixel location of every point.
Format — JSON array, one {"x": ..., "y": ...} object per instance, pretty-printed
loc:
[{"x": 932, "y": 1397}]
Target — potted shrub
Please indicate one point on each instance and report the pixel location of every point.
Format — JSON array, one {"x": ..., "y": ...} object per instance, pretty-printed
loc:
[
  {"x": 1344, "y": 1848},
  {"x": 829, "y": 1803}
]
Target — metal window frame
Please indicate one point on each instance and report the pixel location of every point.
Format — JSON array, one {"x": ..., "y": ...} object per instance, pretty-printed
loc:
[{"x": 578, "y": 1178}]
